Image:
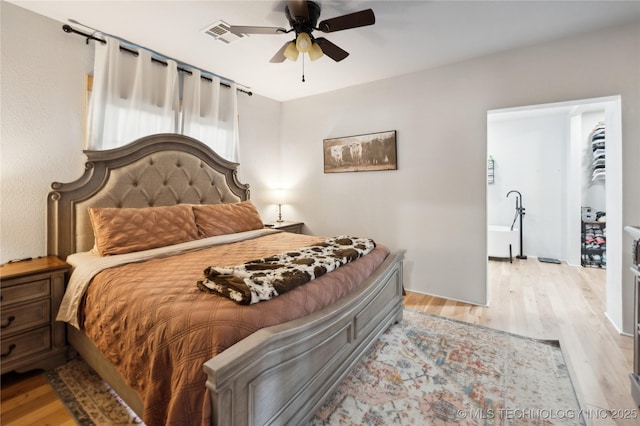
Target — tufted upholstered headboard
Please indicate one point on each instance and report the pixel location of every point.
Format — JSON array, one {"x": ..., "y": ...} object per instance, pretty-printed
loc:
[{"x": 157, "y": 170}]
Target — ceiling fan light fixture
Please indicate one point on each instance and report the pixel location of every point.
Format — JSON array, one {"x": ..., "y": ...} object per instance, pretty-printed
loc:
[
  {"x": 291, "y": 52},
  {"x": 303, "y": 43},
  {"x": 315, "y": 52},
  {"x": 303, "y": 16}
]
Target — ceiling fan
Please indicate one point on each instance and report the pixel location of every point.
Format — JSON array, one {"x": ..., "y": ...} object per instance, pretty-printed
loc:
[{"x": 303, "y": 18}]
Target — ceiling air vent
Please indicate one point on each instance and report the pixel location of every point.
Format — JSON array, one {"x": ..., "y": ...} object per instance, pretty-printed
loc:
[{"x": 220, "y": 31}]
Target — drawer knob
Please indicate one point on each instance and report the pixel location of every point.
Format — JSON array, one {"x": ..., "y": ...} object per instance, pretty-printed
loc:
[
  {"x": 8, "y": 322},
  {"x": 11, "y": 348}
]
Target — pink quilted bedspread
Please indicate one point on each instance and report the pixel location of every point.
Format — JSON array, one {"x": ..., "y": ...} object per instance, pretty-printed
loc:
[{"x": 153, "y": 323}]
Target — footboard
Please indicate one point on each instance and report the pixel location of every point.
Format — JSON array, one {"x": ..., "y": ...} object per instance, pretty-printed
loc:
[{"x": 282, "y": 374}]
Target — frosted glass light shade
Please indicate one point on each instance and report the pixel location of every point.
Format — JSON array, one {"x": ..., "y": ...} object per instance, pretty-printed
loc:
[
  {"x": 315, "y": 52},
  {"x": 291, "y": 52},
  {"x": 303, "y": 42}
]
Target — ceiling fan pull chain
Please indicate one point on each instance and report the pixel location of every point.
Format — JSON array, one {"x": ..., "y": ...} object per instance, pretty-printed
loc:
[{"x": 303, "y": 68}]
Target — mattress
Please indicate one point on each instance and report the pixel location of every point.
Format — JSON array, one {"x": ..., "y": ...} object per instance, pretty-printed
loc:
[{"x": 152, "y": 322}]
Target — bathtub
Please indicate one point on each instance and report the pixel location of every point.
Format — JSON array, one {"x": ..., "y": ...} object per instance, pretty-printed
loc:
[{"x": 502, "y": 241}]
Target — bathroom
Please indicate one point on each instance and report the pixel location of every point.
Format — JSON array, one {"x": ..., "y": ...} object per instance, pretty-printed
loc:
[
  {"x": 542, "y": 152},
  {"x": 529, "y": 153}
]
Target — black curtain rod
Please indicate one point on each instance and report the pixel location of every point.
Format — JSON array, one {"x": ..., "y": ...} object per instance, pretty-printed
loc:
[{"x": 68, "y": 29}]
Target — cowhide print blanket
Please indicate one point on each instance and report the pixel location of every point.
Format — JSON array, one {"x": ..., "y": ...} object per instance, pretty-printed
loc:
[{"x": 264, "y": 279}]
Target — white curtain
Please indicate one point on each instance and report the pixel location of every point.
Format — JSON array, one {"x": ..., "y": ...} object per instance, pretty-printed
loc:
[
  {"x": 132, "y": 96},
  {"x": 210, "y": 114}
]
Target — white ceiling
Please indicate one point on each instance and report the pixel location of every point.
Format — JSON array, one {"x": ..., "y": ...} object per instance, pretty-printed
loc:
[{"x": 408, "y": 35}]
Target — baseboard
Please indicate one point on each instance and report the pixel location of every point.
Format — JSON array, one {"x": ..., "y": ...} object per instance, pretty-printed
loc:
[
  {"x": 484, "y": 305},
  {"x": 615, "y": 326}
]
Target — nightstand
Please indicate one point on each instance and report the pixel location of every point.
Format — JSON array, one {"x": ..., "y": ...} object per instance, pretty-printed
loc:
[
  {"x": 30, "y": 295},
  {"x": 294, "y": 227}
]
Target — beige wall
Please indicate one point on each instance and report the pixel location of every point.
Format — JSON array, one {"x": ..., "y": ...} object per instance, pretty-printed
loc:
[
  {"x": 43, "y": 81},
  {"x": 434, "y": 205}
]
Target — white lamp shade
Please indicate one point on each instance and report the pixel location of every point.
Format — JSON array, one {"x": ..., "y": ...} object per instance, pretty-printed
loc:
[
  {"x": 303, "y": 42},
  {"x": 315, "y": 52},
  {"x": 291, "y": 52},
  {"x": 279, "y": 196}
]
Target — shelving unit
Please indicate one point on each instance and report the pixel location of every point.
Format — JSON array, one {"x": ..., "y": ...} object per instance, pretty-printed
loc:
[
  {"x": 594, "y": 244},
  {"x": 598, "y": 143}
]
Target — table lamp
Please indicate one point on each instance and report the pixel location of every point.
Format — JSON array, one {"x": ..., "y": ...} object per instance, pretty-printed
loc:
[{"x": 280, "y": 196}]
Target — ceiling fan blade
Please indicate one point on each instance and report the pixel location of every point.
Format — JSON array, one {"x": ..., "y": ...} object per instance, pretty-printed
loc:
[
  {"x": 279, "y": 56},
  {"x": 345, "y": 22},
  {"x": 298, "y": 9},
  {"x": 239, "y": 29},
  {"x": 331, "y": 50}
]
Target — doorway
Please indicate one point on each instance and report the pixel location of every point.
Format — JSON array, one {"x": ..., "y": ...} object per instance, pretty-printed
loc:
[{"x": 541, "y": 152}]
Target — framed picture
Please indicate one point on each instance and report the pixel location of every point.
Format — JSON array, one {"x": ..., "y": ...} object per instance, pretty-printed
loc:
[{"x": 361, "y": 153}]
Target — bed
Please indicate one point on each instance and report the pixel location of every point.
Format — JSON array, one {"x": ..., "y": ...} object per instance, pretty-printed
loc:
[{"x": 286, "y": 354}]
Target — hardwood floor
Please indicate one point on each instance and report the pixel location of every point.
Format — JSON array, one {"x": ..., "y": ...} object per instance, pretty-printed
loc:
[
  {"x": 530, "y": 298},
  {"x": 28, "y": 399}
]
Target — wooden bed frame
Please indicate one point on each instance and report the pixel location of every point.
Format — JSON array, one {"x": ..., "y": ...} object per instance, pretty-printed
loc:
[{"x": 278, "y": 375}]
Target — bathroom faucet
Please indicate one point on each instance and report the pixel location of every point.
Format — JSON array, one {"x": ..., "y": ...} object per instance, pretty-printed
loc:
[
  {"x": 519, "y": 208},
  {"x": 517, "y": 192}
]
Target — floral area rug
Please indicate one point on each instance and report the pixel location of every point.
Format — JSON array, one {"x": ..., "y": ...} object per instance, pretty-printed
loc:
[
  {"x": 88, "y": 398},
  {"x": 430, "y": 370},
  {"x": 427, "y": 370}
]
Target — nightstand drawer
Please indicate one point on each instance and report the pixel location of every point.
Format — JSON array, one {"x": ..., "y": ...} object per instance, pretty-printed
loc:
[
  {"x": 21, "y": 317},
  {"x": 25, "y": 291},
  {"x": 23, "y": 345},
  {"x": 32, "y": 291}
]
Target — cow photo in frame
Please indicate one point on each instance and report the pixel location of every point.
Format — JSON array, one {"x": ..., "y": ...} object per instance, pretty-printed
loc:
[{"x": 374, "y": 151}]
